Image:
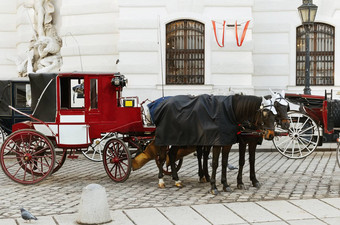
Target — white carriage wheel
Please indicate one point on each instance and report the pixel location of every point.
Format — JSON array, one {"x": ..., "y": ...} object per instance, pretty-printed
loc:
[
  {"x": 338, "y": 154},
  {"x": 302, "y": 139},
  {"x": 2, "y": 136},
  {"x": 95, "y": 151}
]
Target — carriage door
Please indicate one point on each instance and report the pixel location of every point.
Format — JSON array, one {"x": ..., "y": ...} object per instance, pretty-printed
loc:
[
  {"x": 72, "y": 127},
  {"x": 93, "y": 115}
]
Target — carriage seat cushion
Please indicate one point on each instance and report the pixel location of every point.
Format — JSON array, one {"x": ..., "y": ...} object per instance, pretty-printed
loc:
[
  {"x": 336, "y": 112},
  {"x": 203, "y": 120}
]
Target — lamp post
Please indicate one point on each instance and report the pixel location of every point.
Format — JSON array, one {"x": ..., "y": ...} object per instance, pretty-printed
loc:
[{"x": 307, "y": 13}]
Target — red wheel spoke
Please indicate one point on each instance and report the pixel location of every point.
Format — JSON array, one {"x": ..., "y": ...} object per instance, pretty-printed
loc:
[
  {"x": 41, "y": 163},
  {"x": 40, "y": 151},
  {"x": 8, "y": 167},
  {"x": 114, "y": 165},
  {"x": 121, "y": 167}
]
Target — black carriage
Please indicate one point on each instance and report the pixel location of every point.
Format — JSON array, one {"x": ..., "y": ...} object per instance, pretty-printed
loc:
[{"x": 17, "y": 93}]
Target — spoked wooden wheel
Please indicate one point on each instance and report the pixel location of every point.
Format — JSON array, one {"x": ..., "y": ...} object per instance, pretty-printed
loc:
[
  {"x": 302, "y": 137},
  {"x": 117, "y": 160},
  {"x": 59, "y": 159},
  {"x": 95, "y": 151},
  {"x": 2, "y": 136},
  {"x": 338, "y": 154},
  {"x": 167, "y": 168},
  {"x": 27, "y": 156}
]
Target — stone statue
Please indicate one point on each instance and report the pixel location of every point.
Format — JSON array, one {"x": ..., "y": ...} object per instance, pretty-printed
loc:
[{"x": 43, "y": 54}]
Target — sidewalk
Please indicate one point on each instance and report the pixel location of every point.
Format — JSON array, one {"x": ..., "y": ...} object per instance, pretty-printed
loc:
[
  {"x": 311, "y": 211},
  {"x": 304, "y": 191}
]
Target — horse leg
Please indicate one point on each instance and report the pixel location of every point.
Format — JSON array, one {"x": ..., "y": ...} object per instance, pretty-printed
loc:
[
  {"x": 252, "y": 148},
  {"x": 216, "y": 154},
  {"x": 206, "y": 152},
  {"x": 161, "y": 158},
  {"x": 241, "y": 161},
  {"x": 199, "y": 153},
  {"x": 225, "y": 154},
  {"x": 172, "y": 157}
]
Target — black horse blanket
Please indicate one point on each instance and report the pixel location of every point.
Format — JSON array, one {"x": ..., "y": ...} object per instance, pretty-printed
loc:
[{"x": 203, "y": 120}]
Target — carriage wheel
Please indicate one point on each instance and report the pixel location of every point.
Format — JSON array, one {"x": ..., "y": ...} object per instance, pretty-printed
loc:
[
  {"x": 338, "y": 154},
  {"x": 2, "y": 136},
  {"x": 27, "y": 156},
  {"x": 59, "y": 159},
  {"x": 302, "y": 138},
  {"x": 95, "y": 151},
  {"x": 167, "y": 168},
  {"x": 117, "y": 160}
]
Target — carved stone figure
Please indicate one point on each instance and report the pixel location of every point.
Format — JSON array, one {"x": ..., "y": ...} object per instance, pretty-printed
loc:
[{"x": 43, "y": 54}]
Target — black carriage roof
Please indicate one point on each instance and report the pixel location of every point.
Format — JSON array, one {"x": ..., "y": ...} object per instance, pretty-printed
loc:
[
  {"x": 44, "y": 97},
  {"x": 6, "y": 95},
  {"x": 75, "y": 73}
]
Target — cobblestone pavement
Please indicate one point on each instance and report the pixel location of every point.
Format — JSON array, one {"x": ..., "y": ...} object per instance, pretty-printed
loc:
[{"x": 317, "y": 176}]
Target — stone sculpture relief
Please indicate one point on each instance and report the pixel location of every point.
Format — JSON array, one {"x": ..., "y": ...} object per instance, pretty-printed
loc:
[{"x": 43, "y": 54}]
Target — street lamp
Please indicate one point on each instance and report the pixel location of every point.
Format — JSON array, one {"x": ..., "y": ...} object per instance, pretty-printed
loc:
[{"x": 307, "y": 13}]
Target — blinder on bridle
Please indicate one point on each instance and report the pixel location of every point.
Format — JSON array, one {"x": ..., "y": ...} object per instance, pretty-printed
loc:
[{"x": 266, "y": 109}]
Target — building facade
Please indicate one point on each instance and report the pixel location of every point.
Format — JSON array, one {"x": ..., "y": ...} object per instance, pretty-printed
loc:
[{"x": 171, "y": 47}]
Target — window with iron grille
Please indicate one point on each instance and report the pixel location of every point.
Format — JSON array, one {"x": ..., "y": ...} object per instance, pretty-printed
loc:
[
  {"x": 185, "y": 52},
  {"x": 321, "y": 55}
]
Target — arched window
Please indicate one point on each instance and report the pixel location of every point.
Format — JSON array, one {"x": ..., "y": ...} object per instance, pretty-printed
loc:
[
  {"x": 321, "y": 55},
  {"x": 185, "y": 52}
]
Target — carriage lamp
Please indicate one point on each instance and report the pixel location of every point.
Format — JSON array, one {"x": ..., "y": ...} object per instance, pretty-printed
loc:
[
  {"x": 307, "y": 13},
  {"x": 119, "y": 81}
]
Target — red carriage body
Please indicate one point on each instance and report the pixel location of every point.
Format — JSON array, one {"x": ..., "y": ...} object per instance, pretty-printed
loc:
[{"x": 71, "y": 110}]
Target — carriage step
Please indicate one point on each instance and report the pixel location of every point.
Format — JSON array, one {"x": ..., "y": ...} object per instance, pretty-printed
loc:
[{"x": 72, "y": 154}]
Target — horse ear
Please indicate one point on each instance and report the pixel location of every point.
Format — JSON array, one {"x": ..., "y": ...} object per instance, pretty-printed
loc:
[{"x": 267, "y": 97}]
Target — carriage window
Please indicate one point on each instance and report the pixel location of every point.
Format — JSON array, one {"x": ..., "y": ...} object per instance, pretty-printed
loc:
[
  {"x": 321, "y": 46},
  {"x": 71, "y": 92},
  {"x": 22, "y": 95},
  {"x": 185, "y": 52},
  {"x": 94, "y": 93}
]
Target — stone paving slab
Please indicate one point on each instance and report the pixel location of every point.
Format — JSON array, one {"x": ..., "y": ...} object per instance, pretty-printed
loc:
[
  {"x": 317, "y": 208},
  {"x": 218, "y": 214},
  {"x": 252, "y": 212},
  {"x": 286, "y": 210},
  {"x": 315, "y": 177}
]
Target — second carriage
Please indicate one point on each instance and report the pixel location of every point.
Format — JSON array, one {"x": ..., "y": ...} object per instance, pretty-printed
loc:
[{"x": 317, "y": 121}]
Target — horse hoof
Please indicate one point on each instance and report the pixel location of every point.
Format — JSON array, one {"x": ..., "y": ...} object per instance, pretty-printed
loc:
[
  {"x": 179, "y": 184},
  {"x": 227, "y": 189},
  {"x": 257, "y": 184},
  {"x": 241, "y": 187},
  {"x": 161, "y": 185},
  {"x": 203, "y": 180},
  {"x": 214, "y": 192}
]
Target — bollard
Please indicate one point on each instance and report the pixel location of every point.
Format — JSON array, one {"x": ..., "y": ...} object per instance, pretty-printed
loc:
[{"x": 93, "y": 207}]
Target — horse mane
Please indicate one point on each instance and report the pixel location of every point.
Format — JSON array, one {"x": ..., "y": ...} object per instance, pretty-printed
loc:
[{"x": 246, "y": 107}]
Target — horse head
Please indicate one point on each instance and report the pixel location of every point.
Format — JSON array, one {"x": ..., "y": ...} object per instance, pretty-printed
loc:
[
  {"x": 267, "y": 118},
  {"x": 282, "y": 107}
]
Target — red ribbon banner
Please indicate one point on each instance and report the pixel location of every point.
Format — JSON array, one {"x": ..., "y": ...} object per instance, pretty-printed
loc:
[
  {"x": 214, "y": 26},
  {"x": 243, "y": 33}
]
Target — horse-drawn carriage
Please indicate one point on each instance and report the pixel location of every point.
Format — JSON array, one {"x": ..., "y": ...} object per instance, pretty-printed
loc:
[
  {"x": 316, "y": 122},
  {"x": 72, "y": 111},
  {"x": 65, "y": 117}
]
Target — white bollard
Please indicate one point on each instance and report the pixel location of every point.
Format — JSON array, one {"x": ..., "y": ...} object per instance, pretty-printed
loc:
[{"x": 93, "y": 207}]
